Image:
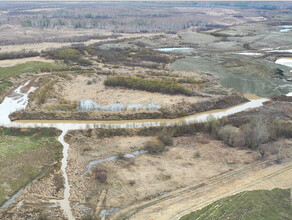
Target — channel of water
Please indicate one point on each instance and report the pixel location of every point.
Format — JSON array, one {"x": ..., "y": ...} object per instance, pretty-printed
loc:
[{"x": 19, "y": 101}]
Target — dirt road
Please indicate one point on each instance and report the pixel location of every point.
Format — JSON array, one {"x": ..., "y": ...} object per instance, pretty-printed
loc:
[{"x": 181, "y": 202}]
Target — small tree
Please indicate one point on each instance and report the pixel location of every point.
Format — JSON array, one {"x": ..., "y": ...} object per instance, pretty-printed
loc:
[{"x": 212, "y": 125}]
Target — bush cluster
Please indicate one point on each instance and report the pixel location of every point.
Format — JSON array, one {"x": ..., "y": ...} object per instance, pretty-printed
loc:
[
  {"x": 69, "y": 55},
  {"x": 143, "y": 57},
  {"x": 100, "y": 174},
  {"x": 158, "y": 144},
  {"x": 16, "y": 55},
  {"x": 44, "y": 92},
  {"x": 150, "y": 85},
  {"x": 154, "y": 146}
]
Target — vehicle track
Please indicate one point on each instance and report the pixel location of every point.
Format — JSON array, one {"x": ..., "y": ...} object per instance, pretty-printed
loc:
[{"x": 131, "y": 211}]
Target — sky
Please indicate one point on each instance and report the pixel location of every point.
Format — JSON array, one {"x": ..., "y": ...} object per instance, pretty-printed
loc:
[{"x": 133, "y": 0}]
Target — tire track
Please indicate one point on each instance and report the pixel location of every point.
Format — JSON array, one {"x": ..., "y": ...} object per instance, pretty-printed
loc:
[{"x": 127, "y": 213}]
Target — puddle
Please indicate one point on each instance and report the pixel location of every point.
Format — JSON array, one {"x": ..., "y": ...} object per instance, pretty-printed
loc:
[
  {"x": 285, "y": 28},
  {"x": 107, "y": 212},
  {"x": 11, "y": 200},
  {"x": 112, "y": 158},
  {"x": 89, "y": 105},
  {"x": 286, "y": 61},
  {"x": 249, "y": 54},
  {"x": 173, "y": 49}
]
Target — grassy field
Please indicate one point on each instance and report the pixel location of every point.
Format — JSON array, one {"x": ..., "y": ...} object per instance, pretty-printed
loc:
[
  {"x": 258, "y": 204},
  {"x": 24, "y": 155},
  {"x": 28, "y": 67}
]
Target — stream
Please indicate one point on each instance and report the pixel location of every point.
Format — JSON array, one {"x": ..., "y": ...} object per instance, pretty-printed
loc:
[{"x": 19, "y": 100}]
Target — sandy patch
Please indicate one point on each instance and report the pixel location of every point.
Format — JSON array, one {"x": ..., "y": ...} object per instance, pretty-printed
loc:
[{"x": 78, "y": 89}]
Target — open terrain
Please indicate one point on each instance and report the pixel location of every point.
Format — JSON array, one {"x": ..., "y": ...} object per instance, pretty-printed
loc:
[{"x": 111, "y": 62}]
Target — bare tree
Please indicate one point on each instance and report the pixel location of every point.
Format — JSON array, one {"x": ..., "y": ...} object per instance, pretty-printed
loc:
[
  {"x": 278, "y": 160},
  {"x": 255, "y": 133},
  {"x": 260, "y": 132}
]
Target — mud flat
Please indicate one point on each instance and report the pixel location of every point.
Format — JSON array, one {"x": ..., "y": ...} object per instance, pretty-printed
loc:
[{"x": 244, "y": 73}]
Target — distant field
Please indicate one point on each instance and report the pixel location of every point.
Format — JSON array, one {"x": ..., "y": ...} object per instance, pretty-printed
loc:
[
  {"x": 258, "y": 204},
  {"x": 25, "y": 155}
]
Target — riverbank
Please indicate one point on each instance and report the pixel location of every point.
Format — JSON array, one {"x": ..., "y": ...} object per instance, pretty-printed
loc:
[{"x": 167, "y": 113}]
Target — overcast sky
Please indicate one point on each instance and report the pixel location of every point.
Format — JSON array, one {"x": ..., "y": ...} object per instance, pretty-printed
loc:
[{"x": 132, "y": 0}]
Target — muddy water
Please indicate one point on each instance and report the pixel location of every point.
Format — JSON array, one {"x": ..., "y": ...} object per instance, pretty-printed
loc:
[
  {"x": 199, "y": 117},
  {"x": 65, "y": 203},
  {"x": 20, "y": 100},
  {"x": 16, "y": 102}
]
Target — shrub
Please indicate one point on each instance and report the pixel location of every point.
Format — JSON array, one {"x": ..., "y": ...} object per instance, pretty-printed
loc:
[
  {"x": 45, "y": 91},
  {"x": 89, "y": 217},
  {"x": 59, "y": 182},
  {"x": 151, "y": 85},
  {"x": 15, "y": 55},
  {"x": 154, "y": 146},
  {"x": 164, "y": 177},
  {"x": 132, "y": 182},
  {"x": 280, "y": 128},
  {"x": 84, "y": 62},
  {"x": 212, "y": 125},
  {"x": 100, "y": 174},
  {"x": 229, "y": 135},
  {"x": 69, "y": 54},
  {"x": 255, "y": 133},
  {"x": 166, "y": 139},
  {"x": 197, "y": 154},
  {"x": 43, "y": 217}
]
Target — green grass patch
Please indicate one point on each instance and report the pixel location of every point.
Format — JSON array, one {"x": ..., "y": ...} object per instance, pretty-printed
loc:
[
  {"x": 28, "y": 67},
  {"x": 4, "y": 84},
  {"x": 258, "y": 204},
  {"x": 25, "y": 154},
  {"x": 150, "y": 85}
]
